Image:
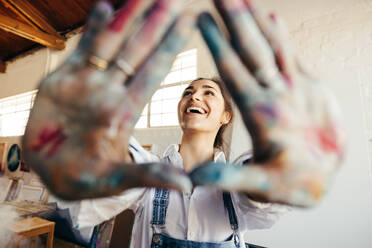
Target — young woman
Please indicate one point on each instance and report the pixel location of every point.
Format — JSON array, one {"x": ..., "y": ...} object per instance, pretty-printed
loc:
[
  {"x": 203, "y": 217},
  {"x": 78, "y": 135}
]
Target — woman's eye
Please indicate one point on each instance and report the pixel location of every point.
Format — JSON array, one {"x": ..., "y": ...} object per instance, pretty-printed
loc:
[
  {"x": 187, "y": 93},
  {"x": 209, "y": 93}
]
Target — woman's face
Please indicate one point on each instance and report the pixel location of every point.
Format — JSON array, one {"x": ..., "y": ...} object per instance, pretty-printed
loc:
[{"x": 202, "y": 107}]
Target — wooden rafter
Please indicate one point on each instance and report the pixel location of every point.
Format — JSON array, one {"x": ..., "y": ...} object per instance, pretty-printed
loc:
[
  {"x": 31, "y": 15},
  {"x": 2, "y": 67},
  {"x": 28, "y": 32}
]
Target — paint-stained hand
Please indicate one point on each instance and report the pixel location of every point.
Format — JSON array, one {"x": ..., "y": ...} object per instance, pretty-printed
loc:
[
  {"x": 79, "y": 127},
  {"x": 294, "y": 121}
]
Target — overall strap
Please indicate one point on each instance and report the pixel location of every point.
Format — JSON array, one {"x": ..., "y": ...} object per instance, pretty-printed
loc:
[
  {"x": 160, "y": 205},
  {"x": 227, "y": 201}
]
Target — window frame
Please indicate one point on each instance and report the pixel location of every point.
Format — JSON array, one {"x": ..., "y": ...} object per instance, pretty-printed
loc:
[
  {"x": 16, "y": 98},
  {"x": 179, "y": 83}
]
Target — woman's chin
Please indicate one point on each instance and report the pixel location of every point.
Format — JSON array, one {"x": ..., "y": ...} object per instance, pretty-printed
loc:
[{"x": 194, "y": 126}]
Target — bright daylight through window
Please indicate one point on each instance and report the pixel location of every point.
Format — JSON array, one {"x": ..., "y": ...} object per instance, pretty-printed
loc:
[
  {"x": 162, "y": 110},
  {"x": 14, "y": 112}
]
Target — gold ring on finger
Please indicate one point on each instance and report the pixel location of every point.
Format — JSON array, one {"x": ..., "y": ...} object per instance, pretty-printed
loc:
[
  {"x": 125, "y": 67},
  {"x": 266, "y": 74},
  {"x": 97, "y": 62},
  {"x": 271, "y": 77}
]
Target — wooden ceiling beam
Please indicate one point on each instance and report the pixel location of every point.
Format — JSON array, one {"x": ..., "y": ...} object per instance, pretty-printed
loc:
[
  {"x": 27, "y": 32},
  {"x": 31, "y": 15},
  {"x": 2, "y": 66}
]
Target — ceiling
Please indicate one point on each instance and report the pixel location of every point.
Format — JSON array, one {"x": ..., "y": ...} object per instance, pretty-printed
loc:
[{"x": 28, "y": 24}]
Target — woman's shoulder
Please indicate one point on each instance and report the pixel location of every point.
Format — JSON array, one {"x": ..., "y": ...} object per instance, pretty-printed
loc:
[
  {"x": 244, "y": 158},
  {"x": 140, "y": 154},
  {"x": 171, "y": 150}
]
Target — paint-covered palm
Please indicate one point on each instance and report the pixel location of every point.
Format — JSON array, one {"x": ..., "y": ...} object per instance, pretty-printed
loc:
[
  {"x": 298, "y": 141},
  {"x": 78, "y": 132}
]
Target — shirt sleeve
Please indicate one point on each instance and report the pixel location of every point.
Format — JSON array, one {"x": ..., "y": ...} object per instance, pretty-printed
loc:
[
  {"x": 253, "y": 214},
  {"x": 95, "y": 211},
  {"x": 256, "y": 215}
]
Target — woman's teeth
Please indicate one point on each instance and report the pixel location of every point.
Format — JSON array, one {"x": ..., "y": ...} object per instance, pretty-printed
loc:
[{"x": 195, "y": 110}]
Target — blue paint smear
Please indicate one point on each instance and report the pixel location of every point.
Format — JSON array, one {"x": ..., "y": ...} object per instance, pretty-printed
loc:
[
  {"x": 211, "y": 34},
  {"x": 267, "y": 110},
  {"x": 207, "y": 174}
]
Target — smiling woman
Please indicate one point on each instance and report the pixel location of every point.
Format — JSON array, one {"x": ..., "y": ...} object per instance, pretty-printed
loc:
[
  {"x": 214, "y": 90},
  {"x": 204, "y": 111},
  {"x": 79, "y": 132}
]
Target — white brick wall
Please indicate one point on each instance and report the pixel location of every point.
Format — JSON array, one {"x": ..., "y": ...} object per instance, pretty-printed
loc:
[{"x": 334, "y": 38}]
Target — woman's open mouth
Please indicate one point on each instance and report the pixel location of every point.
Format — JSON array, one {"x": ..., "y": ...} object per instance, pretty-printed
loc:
[{"x": 193, "y": 110}]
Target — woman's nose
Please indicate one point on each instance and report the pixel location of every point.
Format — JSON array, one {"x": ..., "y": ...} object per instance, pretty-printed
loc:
[{"x": 196, "y": 97}]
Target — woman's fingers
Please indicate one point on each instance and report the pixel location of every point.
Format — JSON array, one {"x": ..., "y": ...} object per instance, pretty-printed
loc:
[
  {"x": 253, "y": 180},
  {"x": 96, "y": 182},
  {"x": 253, "y": 101},
  {"x": 163, "y": 176},
  {"x": 139, "y": 46},
  {"x": 275, "y": 31},
  {"x": 232, "y": 177},
  {"x": 108, "y": 42},
  {"x": 243, "y": 87},
  {"x": 97, "y": 21},
  {"x": 151, "y": 73},
  {"x": 159, "y": 175},
  {"x": 283, "y": 49},
  {"x": 248, "y": 40}
]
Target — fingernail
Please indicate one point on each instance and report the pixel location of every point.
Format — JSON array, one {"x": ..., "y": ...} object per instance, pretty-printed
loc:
[
  {"x": 288, "y": 80},
  {"x": 102, "y": 10},
  {"x": 105, "y": 6},
  {"x": 273, "y": 17},
  {"x": 280, "y": 60},
  {"x": 249, "y": 5},
  {"x": 123, "y": 15}
]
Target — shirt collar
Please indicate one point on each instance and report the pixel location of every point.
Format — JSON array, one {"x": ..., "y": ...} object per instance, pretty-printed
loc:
[{"x": 175, "y": 157}]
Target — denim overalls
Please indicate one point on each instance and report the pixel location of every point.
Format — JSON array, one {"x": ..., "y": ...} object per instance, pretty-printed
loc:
[{"x": 160, "y": 204}]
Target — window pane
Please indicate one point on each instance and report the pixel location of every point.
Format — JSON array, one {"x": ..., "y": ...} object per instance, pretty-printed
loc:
[
  {"x": 188, "y": 52},
  {"x": 14, "y": 113},
  {"x": 155, "y": 120},
  {"x": 142, "y": 122},
  {"x": 184, "y": 61},
  {"x": 182, "y": 89},
  {"x": 156, "y": 107},
  {"x": 177, "y": 64},
  {"x": 170, "y": 119},
  {"x": 24, "y": 106},
  {"x": 163, "y": 110},
  {"x": 188, "y": 61},
  {"x": 189, "y": 73},
  {"x": 173, "y": 77},
  {"x": 144, "y": 111},
  {"x": 158, "y": 95},
  {"x": 170, "y": 106},
  {"x": 172, "y": 92}
]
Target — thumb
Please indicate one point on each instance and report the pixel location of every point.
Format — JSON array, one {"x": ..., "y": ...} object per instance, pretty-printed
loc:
[{"x": 231, "y": 177}]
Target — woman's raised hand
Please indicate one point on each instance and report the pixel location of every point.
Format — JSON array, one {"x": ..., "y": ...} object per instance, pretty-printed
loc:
[
  {"x": 78, "y": 131},
  {"x": 298, "y": 141}
]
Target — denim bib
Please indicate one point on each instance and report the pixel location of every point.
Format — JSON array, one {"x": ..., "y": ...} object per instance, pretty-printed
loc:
[{"x": 159, "y": 213}]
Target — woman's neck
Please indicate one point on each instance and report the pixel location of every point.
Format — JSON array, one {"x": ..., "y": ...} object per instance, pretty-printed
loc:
[{"x": 196, "y": 148}]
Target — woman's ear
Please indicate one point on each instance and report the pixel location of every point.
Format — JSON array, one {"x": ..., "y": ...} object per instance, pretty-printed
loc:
[{"x": 226, "y": 117}]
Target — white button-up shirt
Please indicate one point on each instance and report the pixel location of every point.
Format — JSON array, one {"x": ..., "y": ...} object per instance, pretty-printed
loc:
[{"x": 200, "y": 216}]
